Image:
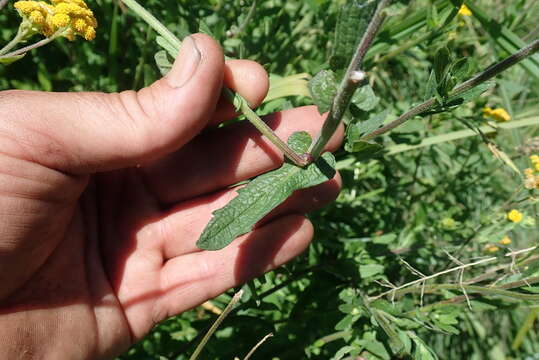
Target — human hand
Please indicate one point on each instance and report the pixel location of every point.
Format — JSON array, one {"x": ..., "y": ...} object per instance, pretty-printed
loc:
[{"x": 103, "y": 196}]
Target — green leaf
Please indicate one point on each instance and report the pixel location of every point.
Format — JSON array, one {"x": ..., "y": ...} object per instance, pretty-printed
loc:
[
  {"x": 11, "y": 59},
  {"x": 369, "y": 270},
  {"x": 346, "y": 322},
  {"x": 354, "y": 17},
  {"x": 292, "y": 85},
  {"x": 366, "y": 149},
  {"x": 374, "y": 122},
  {"x": 323, "y": 88},
  {"x": 342, "y": 352},
  {"x": 422, "y": 351},
  {"x": 365, "y": 99},
  {"x": 442, "y": 59},
  {"x": 264, "y": 194},
  {"x": 470, "y": 94},
  {"x": 162, "y": 61},
  {"x": 373, "y": 346},
  {"x": 432, "y": 84}
]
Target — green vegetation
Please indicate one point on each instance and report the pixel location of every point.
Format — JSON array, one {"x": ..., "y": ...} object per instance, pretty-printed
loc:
[{"x": 430, "y": 250}]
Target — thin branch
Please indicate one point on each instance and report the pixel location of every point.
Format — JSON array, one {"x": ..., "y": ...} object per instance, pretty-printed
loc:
[
  {"x": 448, "y": 271},
  {"x": 216, "y": 324},
  {"x": 36, "y": 45},
  {"x": 459, "y": 299},
  {"x": 22, "y": 32},
  {"x": 153, "y": 22},
  {"x": 480, "y": 78},
  {"x": 253, "y": 350},
  {"x": 353, "y": 78},
  {"x": 246, "y": 22}
]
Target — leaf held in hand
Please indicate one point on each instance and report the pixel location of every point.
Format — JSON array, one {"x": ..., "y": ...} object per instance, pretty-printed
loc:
[{"x": 263, "y": 194}]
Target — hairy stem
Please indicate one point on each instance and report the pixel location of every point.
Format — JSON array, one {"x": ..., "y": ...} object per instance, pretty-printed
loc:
[
  {"x": 260, "y": 125},
  {"x": 480, "y": 78},
  {"x": 21, "y": 34},
  {"x": 353, "y": 78},
  {"x": 299, "y": 160},
  {"x": 153, "y": 22}
]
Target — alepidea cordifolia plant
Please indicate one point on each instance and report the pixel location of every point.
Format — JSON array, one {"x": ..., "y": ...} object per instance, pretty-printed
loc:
[{"x": 382, "y": 315}]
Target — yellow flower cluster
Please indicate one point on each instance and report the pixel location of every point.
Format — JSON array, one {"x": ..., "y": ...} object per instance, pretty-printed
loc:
[
  {"x": 531, "y": 180},
  {"x": 465, "y": 11},
  {"x": 515, "y": 216},
  {"x": 498, "y": 114},
  {"x": 48, "y": 18}
]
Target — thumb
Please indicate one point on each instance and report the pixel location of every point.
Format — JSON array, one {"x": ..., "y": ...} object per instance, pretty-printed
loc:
[{"x": 88, "y": 132}]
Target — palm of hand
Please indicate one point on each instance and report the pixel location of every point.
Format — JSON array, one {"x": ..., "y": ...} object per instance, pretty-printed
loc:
[{"x": 110, "y": 255}]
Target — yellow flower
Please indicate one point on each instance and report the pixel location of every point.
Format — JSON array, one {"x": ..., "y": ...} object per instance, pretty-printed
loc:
[
  {"x": 515, "y": 216},
  {"x": 72, "y": 17},
  {"x": 60, "y": 20},
  {"x": 36, "y": 17},
  {"x": 498, "y": 114},
  {"x": 89, "y": 34},
  {"x": 534, "y": 159},
  {"x": 465, "y": 11},
  {"x": 506, "y": 240},
  {"x": 492, "y": 248}
]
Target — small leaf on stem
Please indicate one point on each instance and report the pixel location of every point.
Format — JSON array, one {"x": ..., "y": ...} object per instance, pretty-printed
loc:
[{"x": 323, "y": 88}]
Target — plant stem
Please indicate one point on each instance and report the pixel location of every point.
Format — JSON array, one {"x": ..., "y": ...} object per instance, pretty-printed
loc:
[
  {"x": 216, "y": 324},
  {"x": 444, "y": 272},
  {"x": 38, "y": 44},
  {"x": 299, "y": 160},
  {"x": 21, "y": 34},
  {"x": 462, "y": 298},
  {"x": 524, "y": 329},
  {"x": 349, "y": 83},
  {"x": 480, "y": 78},
  {"x": 153, "y": 22},
  {"x": 253, "y": 350},
  {"x": 247, "y": 20}
]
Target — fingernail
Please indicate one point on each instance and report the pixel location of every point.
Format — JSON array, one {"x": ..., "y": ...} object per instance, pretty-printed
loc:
[{"x": 186, "y": 63}]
